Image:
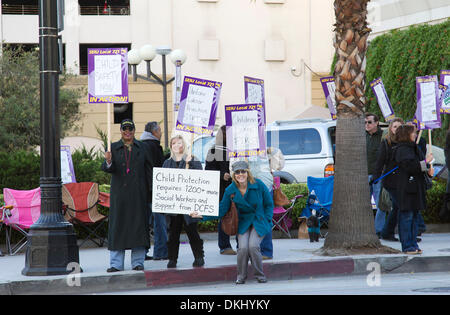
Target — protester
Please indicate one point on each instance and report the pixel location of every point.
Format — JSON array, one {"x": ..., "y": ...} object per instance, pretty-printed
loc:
[
  {"x": 152, "y": 136},
  {"x": 422, "y": 144},
  {"x": 218, "y": 160},
  {"x": 373, "y": 140},
  {"x": 131, "y": 168},
  {"x": 179, "y": 159},
  {"x": 385, "y": 164},
  {"x": 260, "y": 168},
  {"x": 410, "y": 186},
  {"x": 255, "y": 209}
]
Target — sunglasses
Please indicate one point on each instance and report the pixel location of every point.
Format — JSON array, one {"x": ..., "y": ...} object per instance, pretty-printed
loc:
[
  {"x": 239, "y": 172},
  {"x": 369, "y": 122},
  {"x": 128, "y": 128}
]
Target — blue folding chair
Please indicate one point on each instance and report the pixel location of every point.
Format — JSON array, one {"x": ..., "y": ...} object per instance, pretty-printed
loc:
[{"x": 320, "y": 199}]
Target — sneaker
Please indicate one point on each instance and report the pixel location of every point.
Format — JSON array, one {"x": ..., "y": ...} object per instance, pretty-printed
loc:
[
  {"x": 112, "y": 269},
  {"x": 160, "y": 258},
  {"x": 172, "y": 264},
  {"x": 148, "y": 257},
  {"x": 139, "y": 268},
  {"x": 228, "y": 251},
  {"x": 390, "y": 238},
  {"x": 240, "y": 281},
  {"x": 266, "y": 257},
  {"x": 261, "y": 280},
  {"x": 413, "y": 252},
  {"x": 198, "y": 262}
]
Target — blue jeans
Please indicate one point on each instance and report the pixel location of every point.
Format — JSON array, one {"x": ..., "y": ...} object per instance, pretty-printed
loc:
[
  {"x": 117, "y": 258},
  {"x": 391, "y": 222},
  {"x": 224, "y": 239},
  {"x": 380, "y": 216},
  {"x": 420, "y": 224},
  {"x": 159, "y": 234},
  {"x": 407, "y": 230},
  {"x": 266, "y": 244}
]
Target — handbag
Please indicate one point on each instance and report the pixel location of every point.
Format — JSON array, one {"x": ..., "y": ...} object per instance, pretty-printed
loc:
[
  {"x": 428, "y": 181},
  {"x": 384, "y": 200},
  {"x": 230, "y": 220},
  {"x": 279, "y": 198}
]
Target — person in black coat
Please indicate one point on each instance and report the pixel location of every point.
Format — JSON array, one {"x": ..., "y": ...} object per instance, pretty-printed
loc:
[
  {"x": 410, "y": 186},
  {"x": 217, "y": 160},
  {"x": 131, "y": 168},
  {"x": 180, "y": 160},
  {"x": 385, "y": 163},
  {"x": 152, "y": 136}
]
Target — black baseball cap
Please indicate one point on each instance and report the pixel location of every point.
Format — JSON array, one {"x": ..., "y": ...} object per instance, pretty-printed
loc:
[{"x": 127, "y": 123}]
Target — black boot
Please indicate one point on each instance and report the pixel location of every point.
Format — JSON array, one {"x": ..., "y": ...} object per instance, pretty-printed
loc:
[
  {"x": 316, "y": 237},
  {"x": 198, "y": 262},
  {"x": 311, "y": 237}
]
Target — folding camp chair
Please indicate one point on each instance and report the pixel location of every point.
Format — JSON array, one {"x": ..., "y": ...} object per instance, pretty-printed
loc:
[
  {"x": 4, "y": 211},
  {"x": 80, "y": 207},
  {"x": 25, "y": 211},
  {"x": 320, "y": 199},
  {"x": 280, "y": 219}
]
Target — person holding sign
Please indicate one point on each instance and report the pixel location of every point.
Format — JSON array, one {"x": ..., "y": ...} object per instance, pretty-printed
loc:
[
  {"x": 413, "y": 167},
  {"x": 152, "y": 137},
  {"x": 255, "y": 209},
  {"x": 218, "y": 160},
  {"x": 131, "y": 168},
  {"x": 178, "y": 159}
]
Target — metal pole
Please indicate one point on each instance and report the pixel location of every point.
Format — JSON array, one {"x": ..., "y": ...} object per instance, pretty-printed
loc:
[
  {"x": 166, "y": 123},
  {"x": 52, "y": 242}
]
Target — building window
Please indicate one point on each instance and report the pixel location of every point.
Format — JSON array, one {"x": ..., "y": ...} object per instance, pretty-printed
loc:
[
  {"x": 84, "y": 55},
  {"x": 104, "y": 7},
  {"x": 20, "y": 7},
  {"x": 123, "y": 111}
]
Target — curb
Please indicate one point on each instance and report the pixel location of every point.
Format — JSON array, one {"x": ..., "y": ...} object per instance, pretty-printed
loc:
[{"x": 132, "y": 280}]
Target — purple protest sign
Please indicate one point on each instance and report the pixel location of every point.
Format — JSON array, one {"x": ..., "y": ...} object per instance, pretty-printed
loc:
[
  {"x": 245, "y": 130},
  {"x": 329, "y": 87},
  {"x": 427, "y": 113},
  {"x": 198, "y": 106},
  {"x": 254, "y": 92},
  {"x": 382, "y": 99},
  {"x": 444, "y": 88},
  {"x": 108, "y": 75}
]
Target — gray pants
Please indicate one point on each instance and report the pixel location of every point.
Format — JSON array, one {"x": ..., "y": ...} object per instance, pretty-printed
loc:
[{"x": 249, "y": 248}]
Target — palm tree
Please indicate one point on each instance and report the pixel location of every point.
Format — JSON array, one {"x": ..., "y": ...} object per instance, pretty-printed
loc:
[{"x": 351, "y": 222}]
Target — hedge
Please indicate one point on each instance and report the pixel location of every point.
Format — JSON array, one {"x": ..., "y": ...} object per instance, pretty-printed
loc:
[{"x": 398, "y": 57}]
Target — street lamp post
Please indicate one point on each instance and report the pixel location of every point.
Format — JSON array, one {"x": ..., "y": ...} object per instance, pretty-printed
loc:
[
  {"x": 148, "y": 53},
  {"x": 52, "y": 243}
]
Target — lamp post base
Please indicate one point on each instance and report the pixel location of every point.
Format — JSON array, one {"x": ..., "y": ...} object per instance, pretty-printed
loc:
[{"x": 50, "y": 251}]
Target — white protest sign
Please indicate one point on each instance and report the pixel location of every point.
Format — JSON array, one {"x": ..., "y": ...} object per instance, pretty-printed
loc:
[
  {"x": 108, "y": 75},
  {"x": 183, "y": 191},
  {"x": 245, "y": 130},
  {"x": 198, "y": 105}
]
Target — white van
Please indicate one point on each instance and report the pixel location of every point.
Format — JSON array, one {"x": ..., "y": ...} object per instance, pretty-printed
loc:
[{"x": 307, "y": 146}]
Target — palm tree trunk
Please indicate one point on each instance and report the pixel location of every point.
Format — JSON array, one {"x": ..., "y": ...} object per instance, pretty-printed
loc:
[{"x": 351, "y": 221}]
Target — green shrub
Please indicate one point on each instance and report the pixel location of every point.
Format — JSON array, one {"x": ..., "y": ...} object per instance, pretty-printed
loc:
[
  {"x": 19, "y": 170},
  {"x": 435, "y": 199}
]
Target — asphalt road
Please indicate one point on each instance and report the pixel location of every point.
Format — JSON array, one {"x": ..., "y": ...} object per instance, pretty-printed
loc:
[{"x": 373, "y": 284}]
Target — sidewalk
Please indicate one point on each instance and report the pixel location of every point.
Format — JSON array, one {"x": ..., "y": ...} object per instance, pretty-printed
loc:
[{"x": 293, "y": 258}]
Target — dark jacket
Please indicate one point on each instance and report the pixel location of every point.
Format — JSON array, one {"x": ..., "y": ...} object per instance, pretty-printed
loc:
[
  {"x": 193, "y": 165},
  {"x": 129, "y": 213},
  {"x": 385, "y": 163},
  {"x": 372, "y": 145},
  {"x": 411, "y": 190},
  {"x": 156, "y": 154},
  {"x": 219, "y": 163}
]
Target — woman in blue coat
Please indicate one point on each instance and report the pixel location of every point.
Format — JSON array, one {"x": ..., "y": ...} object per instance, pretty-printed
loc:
[{"x": 254, "y": 205}]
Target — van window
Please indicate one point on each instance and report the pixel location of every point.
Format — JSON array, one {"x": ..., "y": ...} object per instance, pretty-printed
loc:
[
  {"x": 296, "y": 141},
  {"x": 201, "y": 147}
]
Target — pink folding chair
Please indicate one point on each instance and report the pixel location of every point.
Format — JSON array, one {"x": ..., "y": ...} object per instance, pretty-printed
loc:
[
  {"x": 280, "y": 219},
  {"x": 25, "y": 212}
]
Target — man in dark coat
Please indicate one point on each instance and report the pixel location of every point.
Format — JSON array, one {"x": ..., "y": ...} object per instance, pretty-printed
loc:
[
  {"x": 373, "y": 140},
  {"x": 130, "y": 164},
  {"x": 152, "y": 137}
]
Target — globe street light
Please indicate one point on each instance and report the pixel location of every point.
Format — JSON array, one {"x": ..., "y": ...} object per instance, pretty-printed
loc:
[{"x": 148, "y": 53}]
